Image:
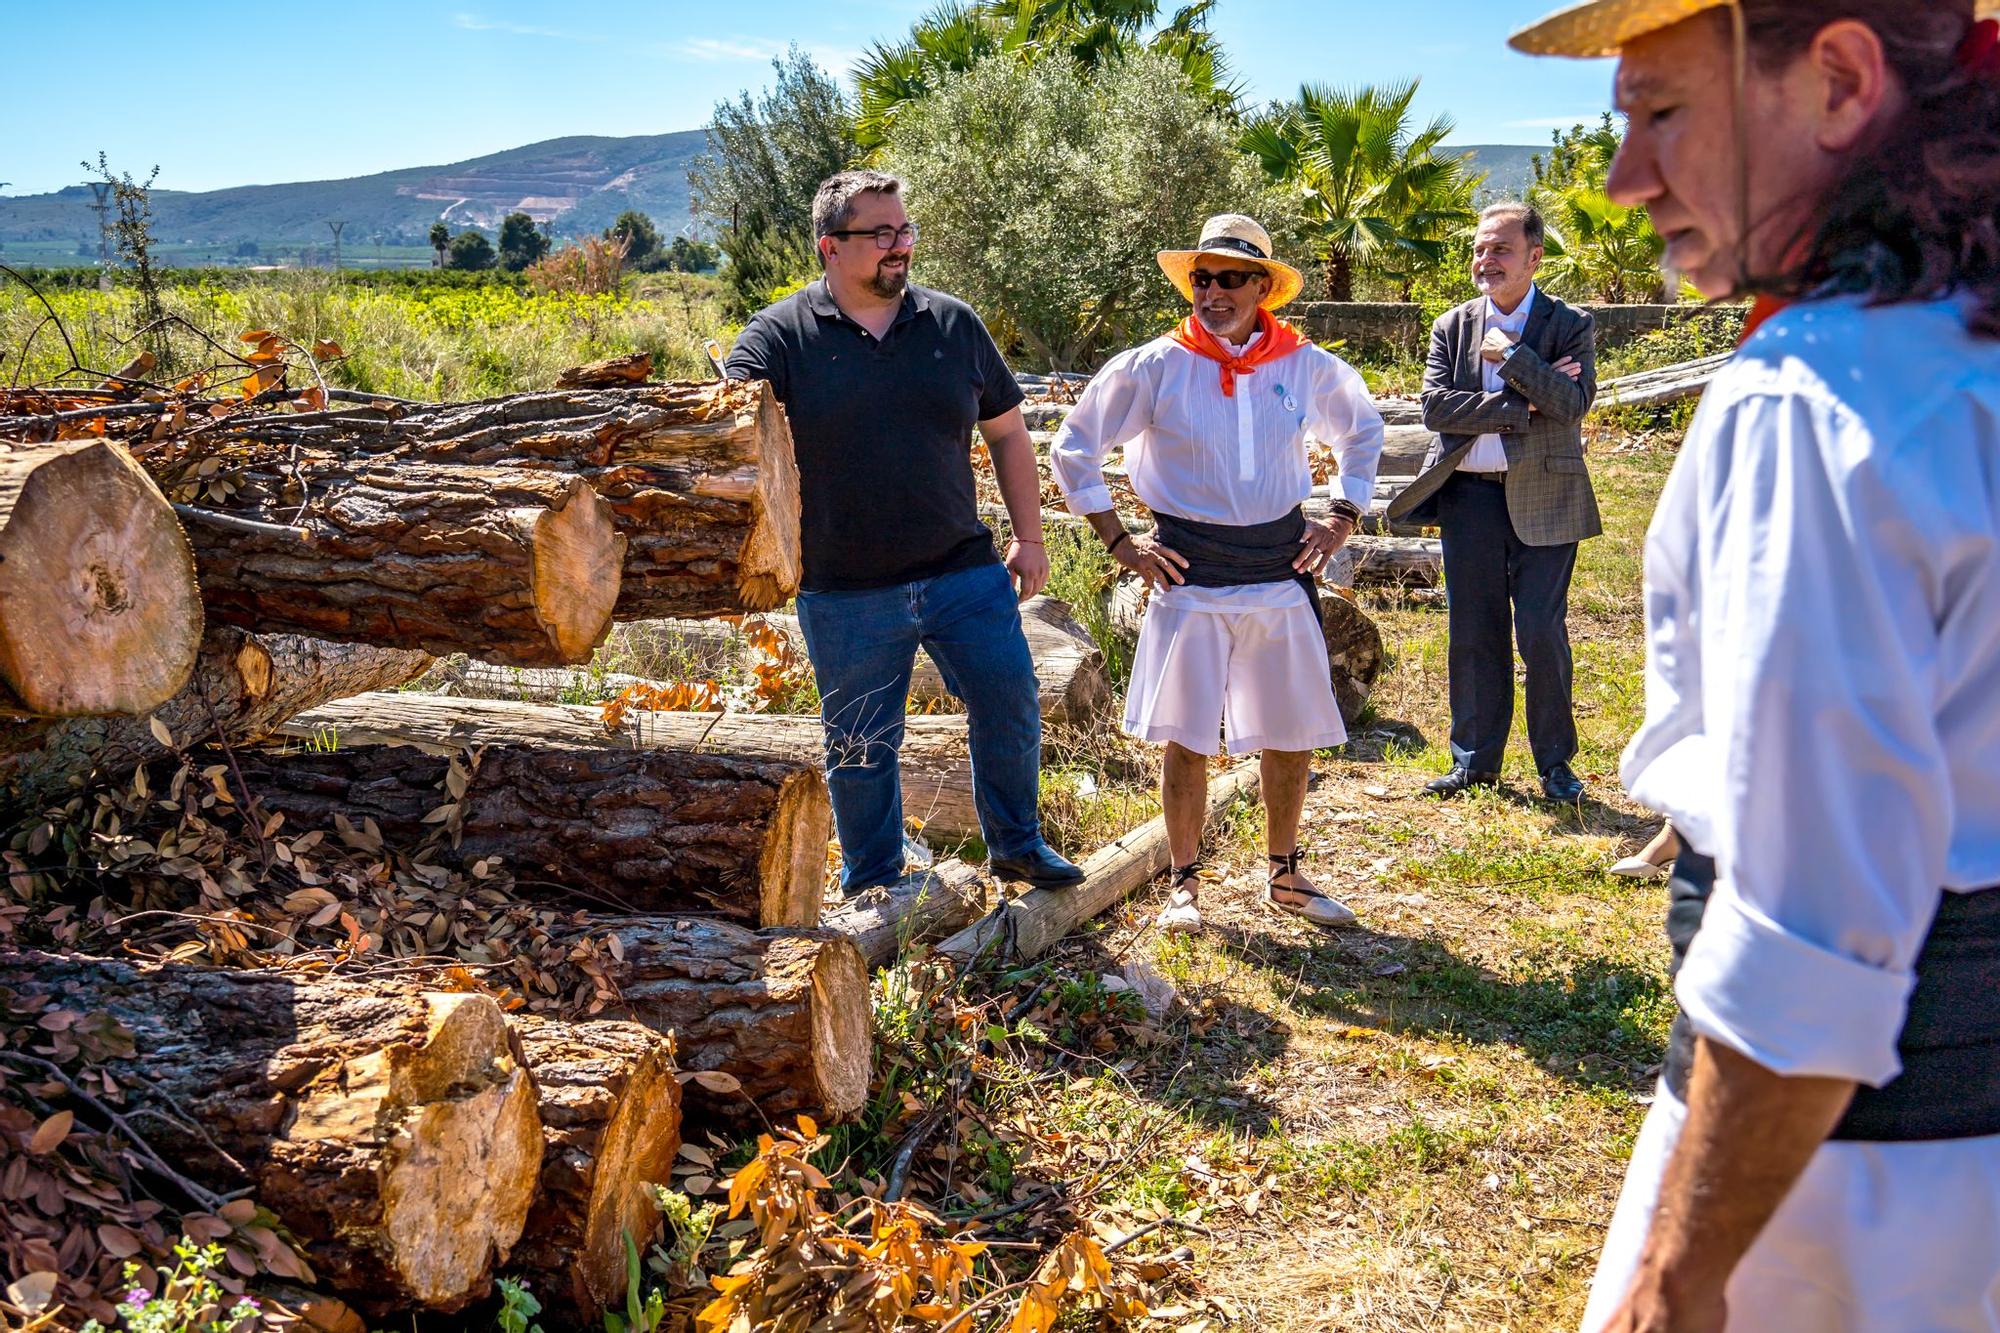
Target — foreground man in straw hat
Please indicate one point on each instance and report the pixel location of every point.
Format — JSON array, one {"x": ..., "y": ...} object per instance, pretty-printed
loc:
[
  {"x": 1213, "y": 418},
  {"x": 1823, "y": 691}
]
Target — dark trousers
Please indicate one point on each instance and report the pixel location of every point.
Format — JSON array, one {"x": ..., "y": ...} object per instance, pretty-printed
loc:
[
  {"x": 1491, "y": 579},
  {"x": 863, "y": 647}
]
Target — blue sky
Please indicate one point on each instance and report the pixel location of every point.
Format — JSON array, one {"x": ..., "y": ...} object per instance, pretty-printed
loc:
[{"x": 231, "y": 94}]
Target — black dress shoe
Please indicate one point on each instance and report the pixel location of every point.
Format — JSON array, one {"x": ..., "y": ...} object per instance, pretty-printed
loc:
[
  {"x": 1459, "y": 781},
  {"x": 1041, "y": 867},
  {"x": 1562, "y": 786}
]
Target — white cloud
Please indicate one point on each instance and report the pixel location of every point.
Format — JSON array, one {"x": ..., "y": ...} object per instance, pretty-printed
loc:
[
  {"x": 480, "y": 23},
  {"x": 759, "y": 49}
]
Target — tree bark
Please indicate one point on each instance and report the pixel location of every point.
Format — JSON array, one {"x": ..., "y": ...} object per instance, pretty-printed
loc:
[
  {"x": 392, "y": 1130},
  {"x": 701, "y": 477},
  {"x": 99, "y": 609},
  {"x": 937, "y": 768},
  {"x": 515, "y": 565},
  {"x": 1387, "y": 562},
  {"x": 783, "y": 1012},
  {"x": 244, "y": 687},
  {"x": 638, "y": 830},
  {"x": 611, "y": 1125},
  {"x": 920, "y": 907},
  {"x": 1033, "y": 923}
]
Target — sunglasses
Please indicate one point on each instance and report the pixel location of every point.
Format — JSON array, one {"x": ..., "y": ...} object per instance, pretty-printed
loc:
[{"x": 1229, "y": 279}]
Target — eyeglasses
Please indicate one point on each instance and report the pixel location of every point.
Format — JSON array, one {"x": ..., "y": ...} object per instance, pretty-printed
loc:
[
  {"x": 1229, "y": 279},
  {"x": 886, "y": 238}
]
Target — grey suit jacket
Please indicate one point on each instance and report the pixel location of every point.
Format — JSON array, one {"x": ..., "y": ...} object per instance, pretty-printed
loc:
[{"x": 1549, "y": 496}]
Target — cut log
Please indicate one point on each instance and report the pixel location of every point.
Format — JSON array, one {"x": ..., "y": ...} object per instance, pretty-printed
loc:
[
  {"x": 1387, "y": 562},
  {"x": 518, "y": 566},
  {"x": 1404, "y": 448},
  {"x": 1070, "y": 675},
  {"x": 393, "y": 1131},
  {"x": 99, "y": 609},
  {"x": 701, "y": 478},
  {"x": 785, "y": 1013},
  {"x": 1353, "y": 641},
  {"x": 466, "y": 678},
  {"x": 244, "y": 687},
  {"x": 937, "y": 768},
  {"x": 1033, "y": 923},
  {"x": 611, "y": 1124},
  {"x": 638, "y": 830},
  {"x": 610, "y": 373},
  {"x": 1658, "y": 388},
  {"x": 918, "y": 908}
]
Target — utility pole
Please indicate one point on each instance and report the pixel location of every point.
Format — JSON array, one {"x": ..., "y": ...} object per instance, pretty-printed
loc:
[
  {"x": 335, "y": 227},
  {"x": 102, "y": 192}
]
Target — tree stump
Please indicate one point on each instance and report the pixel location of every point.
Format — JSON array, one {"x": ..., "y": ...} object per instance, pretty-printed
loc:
[
  {"x": 392, "y": 1130},
  {"x": 99, "y": 610}
]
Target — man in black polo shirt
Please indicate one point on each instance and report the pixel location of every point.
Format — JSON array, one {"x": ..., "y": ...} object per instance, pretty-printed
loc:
[{"x": 882, "y": 383}]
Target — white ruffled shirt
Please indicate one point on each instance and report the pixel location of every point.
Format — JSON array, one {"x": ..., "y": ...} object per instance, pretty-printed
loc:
[
  {"x": 1823, "y": 672},
  {"x": 1196, "y": 454}
]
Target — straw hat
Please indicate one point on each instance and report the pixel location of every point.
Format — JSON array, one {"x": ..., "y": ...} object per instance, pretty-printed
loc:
[
  {"x": 1237, "y": 237},
  {"x": 1601, "y": 27}
]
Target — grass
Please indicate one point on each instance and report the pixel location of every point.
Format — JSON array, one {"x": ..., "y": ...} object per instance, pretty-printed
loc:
[
  {"x": 1421, "y": 1123},
  {"x": 414, "y": 339}
]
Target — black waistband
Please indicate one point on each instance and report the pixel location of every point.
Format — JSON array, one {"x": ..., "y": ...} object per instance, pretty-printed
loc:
[
  {"x": 1950, "y": 1043},
  {"x": 1222, "y": 555}
]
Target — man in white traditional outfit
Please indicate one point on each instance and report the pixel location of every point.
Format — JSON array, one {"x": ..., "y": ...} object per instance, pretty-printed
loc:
[
  {"x": 1823, "y": 672},
  {"x": 1214, "y": 419}
]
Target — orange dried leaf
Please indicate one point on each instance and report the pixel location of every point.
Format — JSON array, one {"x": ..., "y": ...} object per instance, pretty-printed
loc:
[
  {"x": 50, "y": 1134},
  {"x": 254, "y": 336}
]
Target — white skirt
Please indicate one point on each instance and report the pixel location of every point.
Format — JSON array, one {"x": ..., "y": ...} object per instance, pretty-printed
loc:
[
  {"x": 1874, "y": 1238},
  {"x": 1258, "y": 676}
]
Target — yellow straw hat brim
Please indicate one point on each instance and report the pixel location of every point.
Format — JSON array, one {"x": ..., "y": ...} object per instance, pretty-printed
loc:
[
  {"x": 1286, "y": 281},
  {"x": 1603, "y": 27}
]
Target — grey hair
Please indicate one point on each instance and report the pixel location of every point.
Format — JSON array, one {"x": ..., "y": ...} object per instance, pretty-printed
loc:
[
  {"x": 833, "y": 206},
  {"x": 1533, "y": 229}
]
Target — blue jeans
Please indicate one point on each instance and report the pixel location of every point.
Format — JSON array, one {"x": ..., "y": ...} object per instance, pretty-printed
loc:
[{"x": 863, "y": 647}]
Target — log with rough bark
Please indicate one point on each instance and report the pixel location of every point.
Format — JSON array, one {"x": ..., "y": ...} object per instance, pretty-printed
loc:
[
  {"x": 1070, "y": 675},
  {"x": 922, "y": 906},
  {"x": 244, "y": 686},
  {"x": 1033, "y": 923},
  {"x": 1657, "y": 388},
  {"x": 610, "y": 373},
  {"x": 785, "y": 1013},
  {"x": 393, "y": 1131},
  {"x": 519, "y": 566},
  {"x": 637, "y": 830},
  {"x": 99, "y": 609},
  {"x": 611, "y": 1124},
  {"x": 1353, "y": 641},
  {"x": 937, "y": 768},
  {"x": 1387, "y": 562},
  {"x": 701, "y": 477}
]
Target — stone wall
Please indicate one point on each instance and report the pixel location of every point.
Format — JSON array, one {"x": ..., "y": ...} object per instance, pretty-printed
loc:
[{"x": 1374, "y": 327}]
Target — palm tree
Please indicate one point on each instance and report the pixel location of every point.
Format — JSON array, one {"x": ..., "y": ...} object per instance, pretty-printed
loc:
[
  {"x": 440, "y": 238},
  {"x": 1375, "y": 197},
  {"x": 1596, "y": 249},
  {"x": 960, "y": 33}
]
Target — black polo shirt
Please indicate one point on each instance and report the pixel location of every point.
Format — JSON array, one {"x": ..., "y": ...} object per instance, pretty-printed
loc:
[{"x": 883, "y": 431}]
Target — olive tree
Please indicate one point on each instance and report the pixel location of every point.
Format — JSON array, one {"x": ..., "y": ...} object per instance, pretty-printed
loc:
[{"x": 1043, "y": 191}]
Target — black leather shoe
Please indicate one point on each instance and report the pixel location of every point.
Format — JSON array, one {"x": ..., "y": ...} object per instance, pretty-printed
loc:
[
  {"x": 1562, "y": 786},
  {"x": 1041, "y": 868},
  {"x": 1459, "y": 781}
]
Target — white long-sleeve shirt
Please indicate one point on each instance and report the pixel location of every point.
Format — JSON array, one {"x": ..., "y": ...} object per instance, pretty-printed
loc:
[
  {"x": 1196, "y": 454},
  {"x": 1823, "y": 673},
  {"x": 1488, "y": 453}
]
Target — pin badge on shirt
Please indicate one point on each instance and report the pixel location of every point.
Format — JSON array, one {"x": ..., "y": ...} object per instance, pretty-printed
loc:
[{"x": 1289, "y": 401}]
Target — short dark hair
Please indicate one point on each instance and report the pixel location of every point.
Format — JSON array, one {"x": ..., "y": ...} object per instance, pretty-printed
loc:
[
  {"x": 833, "y": 206},
  {"x": 1514, "y": 210}
]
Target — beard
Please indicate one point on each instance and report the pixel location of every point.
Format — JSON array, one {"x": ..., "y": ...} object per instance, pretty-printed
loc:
[{"x": 890, "y": 285}]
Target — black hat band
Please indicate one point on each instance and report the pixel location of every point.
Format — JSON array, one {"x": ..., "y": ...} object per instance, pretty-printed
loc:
[{"x": 1232, "y": 243}]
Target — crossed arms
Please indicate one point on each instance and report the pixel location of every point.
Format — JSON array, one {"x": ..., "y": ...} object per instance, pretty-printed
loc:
[{"x": 1560, "y": 392}]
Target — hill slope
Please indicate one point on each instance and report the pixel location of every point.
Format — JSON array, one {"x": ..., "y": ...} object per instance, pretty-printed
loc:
[{"x": 577, "y": 184}]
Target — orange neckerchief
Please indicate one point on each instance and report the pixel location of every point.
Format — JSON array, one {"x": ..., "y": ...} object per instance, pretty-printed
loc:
[
  {"x": 1280, "y": 339},
  {"x": 1761, "y": 311}
]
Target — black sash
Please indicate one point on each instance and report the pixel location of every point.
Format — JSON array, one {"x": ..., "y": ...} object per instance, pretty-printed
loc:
[
  {"x": 1220, "y": 555},
  {"x": 1950, "y": 1043}
]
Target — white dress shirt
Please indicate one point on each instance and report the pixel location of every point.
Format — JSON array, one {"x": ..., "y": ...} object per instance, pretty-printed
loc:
[
  {"x": 1823, "y": 672},
  {"x": 1199, "y": 455},
  {"x": 1487, "y": 453}
]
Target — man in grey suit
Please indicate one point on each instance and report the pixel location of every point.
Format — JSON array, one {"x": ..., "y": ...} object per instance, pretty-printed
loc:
[{"x": 1509, "y": 380}]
